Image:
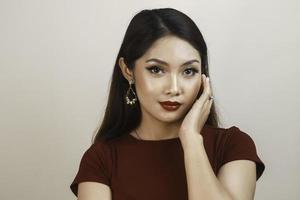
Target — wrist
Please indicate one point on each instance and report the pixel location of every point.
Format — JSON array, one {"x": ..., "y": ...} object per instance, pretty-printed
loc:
[{"x": 191, "y": 140}]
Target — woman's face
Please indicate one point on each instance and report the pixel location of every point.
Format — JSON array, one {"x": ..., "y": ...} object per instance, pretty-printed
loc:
[{"x": 168, "y": 80}]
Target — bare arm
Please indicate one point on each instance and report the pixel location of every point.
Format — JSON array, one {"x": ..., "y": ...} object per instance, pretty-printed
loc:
[
  {"x": 93, "y": 191},
  {"x": 236, "y": 179}
]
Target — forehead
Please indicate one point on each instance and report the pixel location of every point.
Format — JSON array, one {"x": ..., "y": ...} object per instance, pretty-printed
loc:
[{"x": 171, "y": 48}]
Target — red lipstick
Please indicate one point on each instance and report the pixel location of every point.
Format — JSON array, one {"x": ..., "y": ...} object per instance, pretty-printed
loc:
[{"x": 170, "y": 105}]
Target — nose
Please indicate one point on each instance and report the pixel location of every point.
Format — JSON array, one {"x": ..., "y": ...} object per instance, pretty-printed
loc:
[{"x": 174, "y": 88}]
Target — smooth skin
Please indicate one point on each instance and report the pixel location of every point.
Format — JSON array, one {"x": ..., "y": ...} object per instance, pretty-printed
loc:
[
  {"x": 93, "y": 191},
  {"x": 237, "y": 177},
  {"x": 195, "y": 119},
  {"x": 173, "y": 82},
  {"x": 170, "y": 70}
]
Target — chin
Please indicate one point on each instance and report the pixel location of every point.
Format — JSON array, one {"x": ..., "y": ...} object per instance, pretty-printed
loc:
[{"x": 169, "y": 116}]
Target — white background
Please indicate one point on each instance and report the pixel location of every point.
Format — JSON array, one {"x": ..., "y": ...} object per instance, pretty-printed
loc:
[{"x": 56, "y": 59}]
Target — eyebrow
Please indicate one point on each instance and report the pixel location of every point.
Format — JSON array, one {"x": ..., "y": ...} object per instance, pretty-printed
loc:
[{"x": 165, "y": 63}]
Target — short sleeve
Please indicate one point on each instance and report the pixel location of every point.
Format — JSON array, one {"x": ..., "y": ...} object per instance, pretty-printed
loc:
[
  {"x": 240, "y": 146},
  {"x": 93, "y": 167}
]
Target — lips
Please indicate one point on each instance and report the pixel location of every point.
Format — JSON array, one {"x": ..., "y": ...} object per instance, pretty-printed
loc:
[
  {"x": 170, "y": 106},
  {"x": 170, "y": 103}
]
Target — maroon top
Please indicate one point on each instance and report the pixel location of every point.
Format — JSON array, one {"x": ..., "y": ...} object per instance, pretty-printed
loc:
[{"x": 154, "y": 169}]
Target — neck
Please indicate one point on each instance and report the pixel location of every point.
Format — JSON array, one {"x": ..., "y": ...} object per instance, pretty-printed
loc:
[
  {"x": 152, "y": 132},
  {"x": 156, "y": 130}
]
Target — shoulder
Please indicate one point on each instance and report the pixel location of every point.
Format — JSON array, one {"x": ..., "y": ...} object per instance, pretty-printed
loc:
[
  {"x": 100, "y": 147},
  {"x": 97, "y": 152},
  {"x": 236, "y": 136},
  {"x": 107, "y": 148},
  {"x": 225, "y": 133},
  {"x": 227, "y": 139},
  {"x": 95, "y": 166},
  {"x": 239, "y": 145}
]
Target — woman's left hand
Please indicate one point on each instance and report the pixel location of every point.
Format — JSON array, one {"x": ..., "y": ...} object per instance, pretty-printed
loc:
[{"x": 197, "y": 116}]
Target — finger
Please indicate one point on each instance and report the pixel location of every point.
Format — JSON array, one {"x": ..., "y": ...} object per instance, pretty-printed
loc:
[
  {"x": 207, "y": 105},
  {"x": 211, "y": 101},
  {"x": 207, "y": 91},
  {"x": 208, "y": 86},
  {"x": 203, "y": 82},
  {"x": 208, "y": 102},
  {"x": 202, "y": 105}
]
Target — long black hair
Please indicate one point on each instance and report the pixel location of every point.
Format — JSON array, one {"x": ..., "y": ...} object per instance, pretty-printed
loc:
[{"x": 143, "y": 30}]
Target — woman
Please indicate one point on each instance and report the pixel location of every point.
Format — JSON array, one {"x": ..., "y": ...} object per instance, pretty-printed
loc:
[{"x": 160, "y": 138}]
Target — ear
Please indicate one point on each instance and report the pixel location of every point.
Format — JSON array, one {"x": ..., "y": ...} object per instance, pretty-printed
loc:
[{"x": 127, "y": 73}]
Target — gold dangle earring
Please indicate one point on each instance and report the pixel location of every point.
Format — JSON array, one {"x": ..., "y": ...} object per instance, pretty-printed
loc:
[{"x": 128, "y": 101}]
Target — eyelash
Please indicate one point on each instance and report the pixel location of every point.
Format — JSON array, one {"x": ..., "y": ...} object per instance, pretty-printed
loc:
[{"x": 195, "y": 71}]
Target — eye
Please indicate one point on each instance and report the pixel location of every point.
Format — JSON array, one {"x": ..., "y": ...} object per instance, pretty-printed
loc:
[
  {"x": 195, "y": 71},
  {"x": 155, "y": 68}
]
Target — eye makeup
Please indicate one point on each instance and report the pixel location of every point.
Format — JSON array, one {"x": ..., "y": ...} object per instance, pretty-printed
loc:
[{"x": 155, "y": 67}]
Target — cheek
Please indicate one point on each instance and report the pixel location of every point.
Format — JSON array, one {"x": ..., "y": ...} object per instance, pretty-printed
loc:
[
  {"x": 147, "y": 88},
  {"x": 194, "y": 89}
]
